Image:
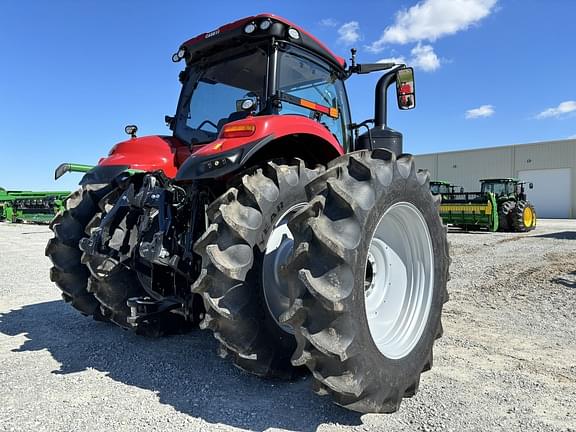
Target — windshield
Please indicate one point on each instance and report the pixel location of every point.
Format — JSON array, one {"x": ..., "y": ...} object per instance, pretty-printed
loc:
[
  {"x": 498, "y": 188},
  {"x": 214, "y": 94},
  {"x": 439, "y": 188}
]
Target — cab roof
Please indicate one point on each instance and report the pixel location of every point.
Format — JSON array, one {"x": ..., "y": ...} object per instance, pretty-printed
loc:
[
  {"x": 213, "y": 41},
  {"x": 499, "y": 180}
]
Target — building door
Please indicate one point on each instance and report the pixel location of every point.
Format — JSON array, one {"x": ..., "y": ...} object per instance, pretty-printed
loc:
[{"x": 552, "y": 194}]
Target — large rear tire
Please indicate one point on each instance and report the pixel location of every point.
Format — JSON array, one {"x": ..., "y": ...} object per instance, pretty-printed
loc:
[
  {"x": 242, "y": 252},
  {"x": 368, "y": 280},
  {"x": 68, "y": 272},
  {"x": 524, "y": 217}
]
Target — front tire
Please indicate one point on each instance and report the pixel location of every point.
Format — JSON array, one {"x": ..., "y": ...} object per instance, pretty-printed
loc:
[
  {"x": 368, "y": 280},
  {"x": 236, "y": 280}
]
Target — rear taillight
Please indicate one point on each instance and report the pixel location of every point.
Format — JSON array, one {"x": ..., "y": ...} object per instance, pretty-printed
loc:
[{"x": 238, "y": 131}]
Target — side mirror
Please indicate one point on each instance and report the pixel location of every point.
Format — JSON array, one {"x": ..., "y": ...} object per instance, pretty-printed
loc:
[
  {"x": 405, "y": 91},
  {"x": 531, "y": 185}
]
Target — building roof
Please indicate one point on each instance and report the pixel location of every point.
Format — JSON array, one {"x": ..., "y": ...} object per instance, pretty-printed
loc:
[{"x": 499, "y": 147}]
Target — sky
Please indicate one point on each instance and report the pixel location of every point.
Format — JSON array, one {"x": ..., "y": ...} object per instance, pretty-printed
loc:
[{"x": 74, "y": 73}]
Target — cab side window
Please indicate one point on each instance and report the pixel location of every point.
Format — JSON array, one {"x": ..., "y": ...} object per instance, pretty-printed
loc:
[{"x": 303, "y": 78}]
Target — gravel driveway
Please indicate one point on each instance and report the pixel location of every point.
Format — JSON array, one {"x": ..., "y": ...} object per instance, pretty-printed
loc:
[{"x": 507, "y": 360}]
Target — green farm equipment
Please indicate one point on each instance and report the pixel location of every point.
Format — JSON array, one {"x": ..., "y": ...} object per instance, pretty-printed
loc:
[
  {"x": 500, "y": 205},
  {"x": 36, "y": 207},
  {"x": 29, "y": 206},
  {"x": 470, "y": 210}
]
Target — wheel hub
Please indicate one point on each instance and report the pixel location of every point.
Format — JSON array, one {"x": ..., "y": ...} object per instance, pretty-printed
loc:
[
  {"x": 370, "y": 275},
  {"x": 399, "y": 280},
  {"x": 528, "y": 217}
]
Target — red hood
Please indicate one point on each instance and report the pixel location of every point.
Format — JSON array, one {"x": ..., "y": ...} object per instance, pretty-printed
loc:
[{"x": 149, "y": 153}]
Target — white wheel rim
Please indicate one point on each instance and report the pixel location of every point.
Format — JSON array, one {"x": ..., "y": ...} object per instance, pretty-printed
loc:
[
  {"x": 278, "y": 248},
  {"x": 399, "y": 280}
]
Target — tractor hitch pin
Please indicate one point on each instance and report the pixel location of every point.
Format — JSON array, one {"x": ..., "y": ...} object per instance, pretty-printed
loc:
[{"x": 143, "y": 308}]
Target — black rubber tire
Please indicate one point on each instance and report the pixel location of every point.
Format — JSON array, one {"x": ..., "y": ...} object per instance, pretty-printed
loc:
[
  {"x": 113, "y": 292},
  {"x": 232, "y": 251},
  {"x": 327, "y": 274},
  {"x": 518, "y": 217},
  {"x": 535, "y": 216},
  {"x": 505, "y": 215},
  {"x": 68, "y": 272}
]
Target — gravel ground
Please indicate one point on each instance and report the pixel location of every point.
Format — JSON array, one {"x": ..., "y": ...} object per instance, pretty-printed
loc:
[{"x": 507, "y": 360}]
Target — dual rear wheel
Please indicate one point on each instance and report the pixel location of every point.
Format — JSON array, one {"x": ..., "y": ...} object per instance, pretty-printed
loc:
[{"x": 343, "y": 272}]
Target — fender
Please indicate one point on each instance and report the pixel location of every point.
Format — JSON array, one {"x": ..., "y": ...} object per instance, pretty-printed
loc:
[{"x": 226, "y": 155}]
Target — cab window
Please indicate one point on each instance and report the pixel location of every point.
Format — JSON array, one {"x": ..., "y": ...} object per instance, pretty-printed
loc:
[{"x": 303, "y": 78}]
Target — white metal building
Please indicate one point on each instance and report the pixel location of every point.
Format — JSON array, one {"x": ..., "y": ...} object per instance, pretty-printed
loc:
[{"x": 550, "y": 166}]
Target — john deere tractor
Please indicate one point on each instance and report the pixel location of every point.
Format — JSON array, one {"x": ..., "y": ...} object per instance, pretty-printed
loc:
[
  {"x": 501, "y": 205},
  {"x": 515, "y": 213},
  {"x": 301, "y": 240}
]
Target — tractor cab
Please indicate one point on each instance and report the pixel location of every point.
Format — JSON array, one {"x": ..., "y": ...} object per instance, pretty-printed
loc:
[
  {"x": 258, "y": 66},
  {"x": 258, "y": 73},
  {"x": 505, "y": 188},
  {"x": 441, "y": 187}
]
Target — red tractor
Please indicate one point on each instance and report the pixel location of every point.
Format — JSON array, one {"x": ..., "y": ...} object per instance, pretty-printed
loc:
[{"x": 269, "y": 219}]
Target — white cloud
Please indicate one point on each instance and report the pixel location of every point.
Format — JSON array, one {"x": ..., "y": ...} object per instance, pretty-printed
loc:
[
  {"x": 328, "y": 22},
  {"x": 559, "y": 111},
  {"x": 482, "y": 111},
  {"x": 432, "y": 19},
  {"x": 424, "y": 57},
  {"x": 572, "y": 137},
  {"x": 397, "y": 60},
  {"x": 349, "y": 33}
]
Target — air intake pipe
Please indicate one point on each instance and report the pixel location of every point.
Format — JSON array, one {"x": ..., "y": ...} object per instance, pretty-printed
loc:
[{"x": 381, "y": 136}]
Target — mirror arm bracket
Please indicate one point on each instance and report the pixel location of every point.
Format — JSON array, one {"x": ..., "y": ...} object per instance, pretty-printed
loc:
[{"x": 381, "y": 108}]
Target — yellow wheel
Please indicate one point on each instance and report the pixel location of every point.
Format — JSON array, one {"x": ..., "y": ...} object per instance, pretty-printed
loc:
[{"x": 528, "y": 217}]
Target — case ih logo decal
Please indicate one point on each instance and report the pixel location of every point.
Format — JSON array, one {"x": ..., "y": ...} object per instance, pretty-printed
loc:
[{"x": 212, "y": 33}]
